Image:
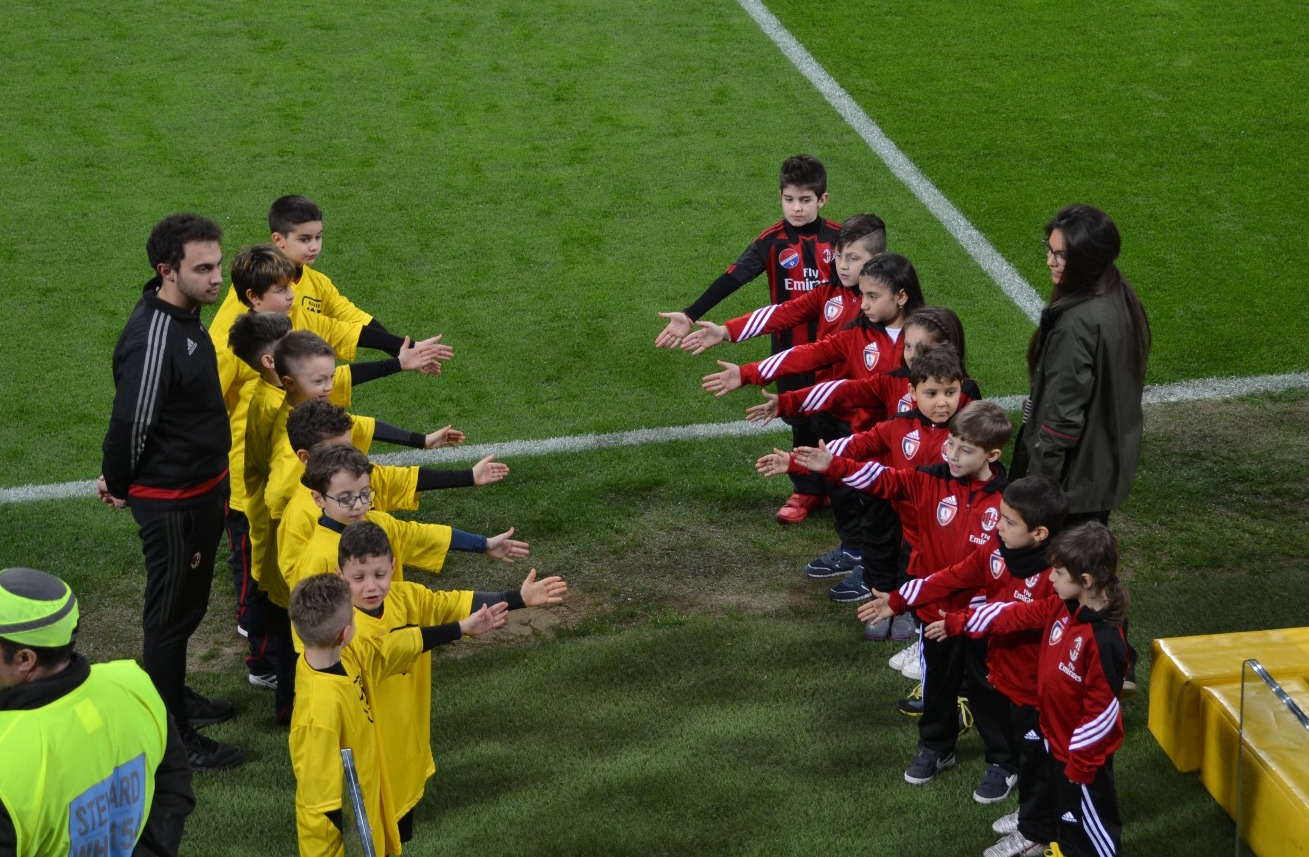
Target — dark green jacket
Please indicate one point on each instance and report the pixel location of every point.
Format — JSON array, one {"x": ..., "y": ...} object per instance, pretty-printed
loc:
[{"x": 1084, "y": 426}]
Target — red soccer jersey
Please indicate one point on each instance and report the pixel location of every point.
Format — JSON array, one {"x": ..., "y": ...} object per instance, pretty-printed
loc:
[
  {"x": 858, "y": 351},
  {"x": 830, "y": 307},
  {"x": 1010, "y": 658},
  {"x": 1079, "y": 676},
  {"x": 865, "y": 397},
  {"x": 948, "y": 517}
]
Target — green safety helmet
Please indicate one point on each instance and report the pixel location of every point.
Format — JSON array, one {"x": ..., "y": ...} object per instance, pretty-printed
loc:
[{"x": 36, "y": 609}]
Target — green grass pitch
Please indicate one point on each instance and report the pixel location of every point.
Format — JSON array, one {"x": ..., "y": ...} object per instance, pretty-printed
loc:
[{"x": 535, "y": 181}]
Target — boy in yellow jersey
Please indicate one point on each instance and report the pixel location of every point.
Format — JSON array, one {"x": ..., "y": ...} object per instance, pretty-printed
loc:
[
  {"x": 339, "y": 479},
  {"x": 307, "y": 370},
  {"x": 394, "y": 488},
  {"x": 335, "y": 685},
  {"x": 293, "y": 366},
  {"x": 402, "y": 703},
  {"x": 261, "y": 279}
]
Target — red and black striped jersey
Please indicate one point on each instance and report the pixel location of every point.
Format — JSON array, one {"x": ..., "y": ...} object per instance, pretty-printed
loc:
[
  {"x": 1079, "y": 676},
  {"x": 797, "y": 261}
]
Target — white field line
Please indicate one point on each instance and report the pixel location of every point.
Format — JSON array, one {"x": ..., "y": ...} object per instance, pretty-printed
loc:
[
  {"x": 973, "y": 241},
  {"x": 1182, "y": 391}
]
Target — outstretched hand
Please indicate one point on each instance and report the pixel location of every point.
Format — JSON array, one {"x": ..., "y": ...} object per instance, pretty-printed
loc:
[
  {"x": 816, "y": 459},
  {"x": 877, "y": 609},
  {"x": 544, "y": 592},
  {"x": 438, "y": 351},
  {"x": 488, "y": 618},
  {"x": 709, "y": 335},
  {"x": 775, "y": 463},
  {"x": 765, "y": 413},
  {"x": 679, "y": 325},
  {"x": 444, "y": 437},
  {"x": 504, "y": 548},
  {"x": 489, "y": 470},
  {"x": 724, "y": 382}
]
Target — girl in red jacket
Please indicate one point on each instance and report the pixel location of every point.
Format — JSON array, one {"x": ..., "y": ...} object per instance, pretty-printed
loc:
[{"x": 1079, "y": 680}]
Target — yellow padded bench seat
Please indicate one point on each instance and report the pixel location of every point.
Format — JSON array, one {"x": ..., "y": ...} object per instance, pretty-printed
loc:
[
  {"x": 1275, "y": 788},
  {"x": 1184, "y": 665}
]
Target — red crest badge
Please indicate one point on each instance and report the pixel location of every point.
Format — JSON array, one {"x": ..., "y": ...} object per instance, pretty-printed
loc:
[
  {"x": 871, "y": 354},
  {"x": 906, "y": 403},
  {"x": 1034, "y": 579},
  {"x": 946, "y": 510},
  {"x": 990, "y": 519},
  {"x": 832, "y": 309},
  {"x": 1057, "y": 631},
  {"x": 827, "y": 255},
  {"x": 1075, "y": 651},
  {"x": 909, "y": 445},
  {"x": 997, "y": 564}
]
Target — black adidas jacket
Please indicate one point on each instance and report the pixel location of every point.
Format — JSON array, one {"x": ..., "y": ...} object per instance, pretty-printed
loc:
[{"x": 168, "y": 436}]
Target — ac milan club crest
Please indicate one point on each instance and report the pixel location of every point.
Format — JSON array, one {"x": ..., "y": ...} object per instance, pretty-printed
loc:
[
  {"x": 870, "y": 355},
  {"x": 910, "y": 444},
  {"x": 997, "y": 564},
  {"x": 195, "y": 560},
  {"x": 832, "y": 309},
  {"x": 1075, "y": 651},
  {"x": 788, "y": 258},
  {"x": 1057, "y": 631},
  {"x": 827, "y": 255},
  {"x": 990, "y": 519},
  {"x": 1034, "y": 579},
  {"x": 946, "y": 510}
]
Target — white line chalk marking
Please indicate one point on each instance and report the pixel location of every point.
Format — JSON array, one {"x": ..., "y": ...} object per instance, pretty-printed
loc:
[
  {"x": 973, "y": 241},
  {"x": 1182, "y": 391}
]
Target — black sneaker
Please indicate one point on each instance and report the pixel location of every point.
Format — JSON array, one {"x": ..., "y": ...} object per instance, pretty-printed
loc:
[
  {"x": 202, "y": 711},
  {"x": 206, "y": 754},
  {"x": 835, "y": 563},
  {"x": 926, "y": 766},
  {"x": 995, "y": 785},
  {"x": 912, "y": 705}
]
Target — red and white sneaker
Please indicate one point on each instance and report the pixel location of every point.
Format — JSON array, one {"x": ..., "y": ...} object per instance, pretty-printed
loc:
[{"x": 798, "y": 507}]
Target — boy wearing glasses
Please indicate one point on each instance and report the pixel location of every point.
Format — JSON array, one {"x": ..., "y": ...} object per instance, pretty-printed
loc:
[{"x": 338, "y": 478}]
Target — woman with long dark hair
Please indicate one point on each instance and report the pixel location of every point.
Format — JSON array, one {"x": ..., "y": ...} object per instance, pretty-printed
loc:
[{"x": 1086, "y": 362}]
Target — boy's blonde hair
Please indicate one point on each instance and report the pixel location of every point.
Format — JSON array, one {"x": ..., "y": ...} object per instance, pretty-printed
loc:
[
  {"x": 983, "y": 424},
  {"x": 320, "y": 609}
]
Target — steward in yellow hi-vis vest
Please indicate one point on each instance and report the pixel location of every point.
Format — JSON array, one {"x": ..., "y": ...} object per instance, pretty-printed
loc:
[{"x": 92, "y": 762}]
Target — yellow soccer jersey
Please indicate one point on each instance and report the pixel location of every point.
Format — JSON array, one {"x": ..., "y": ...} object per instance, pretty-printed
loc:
[
  {"x": 265, "y": 405},
  {"x": 332, "y": 712},
  {"x": 316, "y": 293},
  {"x": 402, "y": 703},
  {"x": 286, "y": 468},
  {"x": 394, "y": 489},
  {"x": 235, "y": 376}
]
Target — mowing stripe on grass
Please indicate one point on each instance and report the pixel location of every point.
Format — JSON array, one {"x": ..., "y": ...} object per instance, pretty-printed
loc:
[
  {"x": 973, "y": 241},
  {"x": 1182, "y": 391}
]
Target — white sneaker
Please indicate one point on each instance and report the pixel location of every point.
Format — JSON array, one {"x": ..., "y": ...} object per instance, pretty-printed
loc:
[
  {"x": 913, "y": 667},
  {"x": 242, "y": 632},
  {"x": 265, "y": 682},
  {"x": 1015, "y": 845},
  {"x": 1006, "y": 824},
  {"x": 897, "y": 660}
]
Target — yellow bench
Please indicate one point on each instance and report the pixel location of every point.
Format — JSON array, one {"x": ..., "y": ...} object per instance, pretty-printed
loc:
[
  {"x": 1275, "y": 759},
  {"x": 1182, "y": 666}
]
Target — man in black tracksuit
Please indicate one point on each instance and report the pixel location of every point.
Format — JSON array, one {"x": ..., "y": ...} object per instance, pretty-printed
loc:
[{"x": 165, "y": 457}]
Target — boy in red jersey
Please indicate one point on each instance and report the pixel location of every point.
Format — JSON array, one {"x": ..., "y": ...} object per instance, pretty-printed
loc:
[
  {"x": 907, "y": 440},
  {"x": 1031, "y": 511},
  {"x": 951, "y": 508},
  {"x": 797, "y": 253},
  {"x": 1079, "y": 681}
]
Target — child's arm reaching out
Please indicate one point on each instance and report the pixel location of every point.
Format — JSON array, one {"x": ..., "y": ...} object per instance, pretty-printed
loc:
[{"x": 724, "y": 382}]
